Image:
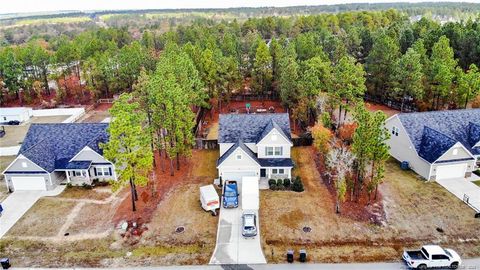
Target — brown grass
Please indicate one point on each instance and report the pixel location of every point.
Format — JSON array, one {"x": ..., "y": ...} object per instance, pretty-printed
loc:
[
  {"x": 99, "y": 193},
  {"x": 160, "y": 245},
  {"x": 205, "y": 164},
  {"x": 181, "y": 207},
  {"x": 44, "y": 219},
  {"x": 93, "y": 218},
  {"x": 414, "y": 210}
]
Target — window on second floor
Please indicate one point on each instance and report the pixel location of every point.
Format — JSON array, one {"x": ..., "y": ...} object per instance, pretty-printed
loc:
[
  {"x": 273, "y": 151},
  {"x": 395, "y": 131}
]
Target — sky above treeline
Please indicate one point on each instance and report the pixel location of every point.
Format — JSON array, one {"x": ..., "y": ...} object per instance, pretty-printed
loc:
[{"x": 27, "y": 6}]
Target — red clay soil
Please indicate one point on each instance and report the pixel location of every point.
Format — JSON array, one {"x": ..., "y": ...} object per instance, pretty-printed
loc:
[
  {"x": 149, "y": 196},
  {"x": 103, "y": 107},
  {"x": 12, "y": 101},
  {"x": 360, "y": 210},
  {"x": 379, "y": 107}
]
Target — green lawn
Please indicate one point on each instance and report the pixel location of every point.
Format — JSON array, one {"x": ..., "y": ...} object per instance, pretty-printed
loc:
[{"x": 477, "y": 182}]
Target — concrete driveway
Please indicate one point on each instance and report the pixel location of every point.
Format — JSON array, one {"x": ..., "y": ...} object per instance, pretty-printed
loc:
[
  {"x": 18, "y": 203},
  {"x": 232, "y": 247},
  {"x": 460, "y": 187}
]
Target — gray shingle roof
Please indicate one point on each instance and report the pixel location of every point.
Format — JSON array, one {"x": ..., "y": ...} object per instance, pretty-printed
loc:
[
  {"x": 51, "y": 146},
  {"x": 250, "y": 128},
  {"x": 444, "y": 128}
]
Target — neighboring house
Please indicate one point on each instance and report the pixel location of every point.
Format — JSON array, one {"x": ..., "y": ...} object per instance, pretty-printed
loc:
[
  {"x": 60, "y": 153},
  {"x": 254, "y": 145},
  {"x": 437, "y": 145},
  {"x": 20, "y": 114}
]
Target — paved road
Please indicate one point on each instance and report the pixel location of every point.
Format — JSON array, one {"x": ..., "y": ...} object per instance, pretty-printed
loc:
[
  {"x": 18, "y": 203},
  {"x": 470, "y": 264},
  {"x": 461, "y": 187},
  {"x": 232, "y": 247}
]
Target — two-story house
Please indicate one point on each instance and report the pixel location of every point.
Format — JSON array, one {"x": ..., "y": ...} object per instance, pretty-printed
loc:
[
  {"x": 60, "y": 153},
  {"x": 254, "y": 145}
]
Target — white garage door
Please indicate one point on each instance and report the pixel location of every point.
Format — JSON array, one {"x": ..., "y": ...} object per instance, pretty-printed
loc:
[
  {"x": 451, "y": 171},
  {"x": 28, "y": 183},
  {"x": 236, "y": 175}
]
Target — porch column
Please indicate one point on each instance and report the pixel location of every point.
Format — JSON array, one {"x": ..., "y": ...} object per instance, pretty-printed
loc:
[
  {"x": 68, "y": 176},
  {"x": 88, "y": 176}
]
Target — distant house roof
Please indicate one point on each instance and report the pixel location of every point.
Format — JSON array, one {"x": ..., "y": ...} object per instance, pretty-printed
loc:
[
  {"x": 51, "y": 146},
  {"x": 433, "y": 133},
  {"x": 264, "y": 162},
  {"x": 251, "y": 128}
]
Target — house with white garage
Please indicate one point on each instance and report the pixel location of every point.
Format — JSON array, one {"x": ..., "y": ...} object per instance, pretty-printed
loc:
[
  {"x": 437, "y": 145},
  {"x": 52, "y": 154},
  {"x": 254, "y": 145},
  {"x": 20, "y": 114}
]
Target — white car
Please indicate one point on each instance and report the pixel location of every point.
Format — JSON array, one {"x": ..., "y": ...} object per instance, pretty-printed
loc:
[
  {"x": 249, "y": 224},
  {"x": 432, "y": 256}
]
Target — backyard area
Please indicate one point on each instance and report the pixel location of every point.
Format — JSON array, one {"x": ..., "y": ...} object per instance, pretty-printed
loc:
[
  {"x": 82, "y": 227},
  {"x": 413, "y": 212},
  {"x": 210, "y": 125},
  {"x": 14, "y": 134},
  {"x": 97, "y": 115}
]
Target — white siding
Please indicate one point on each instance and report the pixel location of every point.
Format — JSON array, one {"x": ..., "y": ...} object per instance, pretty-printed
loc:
[
  {"x": 456, "y": 152},
  {"x": 23, "y": 164},
  {"x": 269, "y": 140},
  {"x": 402, "y": 149},
  {"x": 232, "y": 164},
  {"x": 224, "y": 147},
  {"x": 88, "y": 154}
]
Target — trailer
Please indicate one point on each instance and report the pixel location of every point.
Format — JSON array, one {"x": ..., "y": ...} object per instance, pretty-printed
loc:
[{"x": 209, "y": 198}]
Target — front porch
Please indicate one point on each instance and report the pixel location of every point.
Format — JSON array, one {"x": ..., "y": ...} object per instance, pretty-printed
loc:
[
  {"x": 78, "y": 177},
  {"x": 87, "y": 174}
]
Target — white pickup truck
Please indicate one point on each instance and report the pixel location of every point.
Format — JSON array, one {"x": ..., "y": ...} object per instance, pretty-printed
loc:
[{"x": 432, "y": 256}]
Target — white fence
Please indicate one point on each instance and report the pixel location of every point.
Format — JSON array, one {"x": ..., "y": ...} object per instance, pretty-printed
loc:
[
  {"x": 9, "y": 151},
  {"x": 75, "y": 113}
]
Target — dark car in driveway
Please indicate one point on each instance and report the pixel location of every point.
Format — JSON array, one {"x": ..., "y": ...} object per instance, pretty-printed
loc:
[{"x": 230, "y": 194}]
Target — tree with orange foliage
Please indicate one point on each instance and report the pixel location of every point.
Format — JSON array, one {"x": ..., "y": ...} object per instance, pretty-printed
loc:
[
  {"x": 345, "y": 132},
  {"x": 321, "y": 138}
]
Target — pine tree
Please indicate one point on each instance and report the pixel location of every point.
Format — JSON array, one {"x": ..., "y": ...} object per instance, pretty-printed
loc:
[
  {"x": 262, "y": 69},
  {"x": 128, "y": 146}
]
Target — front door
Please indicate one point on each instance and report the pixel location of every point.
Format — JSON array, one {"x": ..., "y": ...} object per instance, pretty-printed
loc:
[{"x": 263, "y": 172}]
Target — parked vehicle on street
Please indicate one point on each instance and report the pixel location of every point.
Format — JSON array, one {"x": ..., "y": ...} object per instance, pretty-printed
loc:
[
  {"x": 2, "y": 131},
  {"x": 14, "y": 122},
  {"x": 230, "y": 194},
  {"x": 249, "y": 224},
  {"x": 432, "y": 256},
  {"x": 209, "y": 198}
]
